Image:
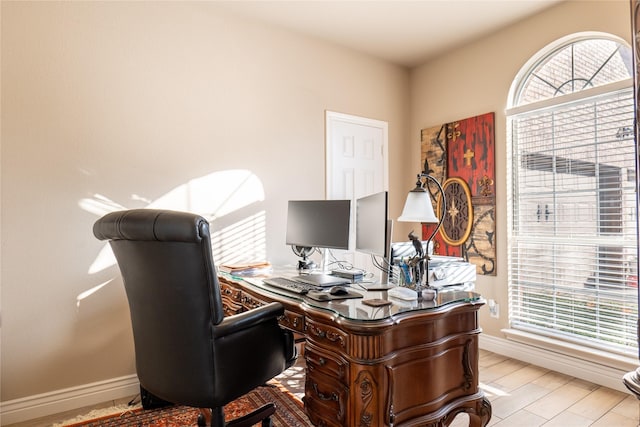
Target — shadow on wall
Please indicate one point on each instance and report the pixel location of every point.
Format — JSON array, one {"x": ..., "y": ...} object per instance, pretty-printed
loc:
[{"x": 239, "y": 232}]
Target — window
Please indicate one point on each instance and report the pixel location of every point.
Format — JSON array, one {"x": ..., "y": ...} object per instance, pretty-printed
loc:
[{"x": 572, "y": 224}]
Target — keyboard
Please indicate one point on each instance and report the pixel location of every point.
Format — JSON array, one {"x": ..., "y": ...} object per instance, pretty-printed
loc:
[{"x": 290, "y": 285}]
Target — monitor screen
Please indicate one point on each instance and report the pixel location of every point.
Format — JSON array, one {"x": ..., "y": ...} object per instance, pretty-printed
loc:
[
  {"x": 372, "y": 227},
  {"x": 319, "y": 223}
]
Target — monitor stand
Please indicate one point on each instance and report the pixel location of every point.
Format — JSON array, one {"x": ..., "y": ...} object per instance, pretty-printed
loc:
[
  {"x": 306, "y": 264},
  {"x": 303, "y": 252},
  {"x": 385, "y": 282}
]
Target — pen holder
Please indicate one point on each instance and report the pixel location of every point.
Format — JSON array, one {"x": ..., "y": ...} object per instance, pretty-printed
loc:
[{"x": 414, "y": 277}]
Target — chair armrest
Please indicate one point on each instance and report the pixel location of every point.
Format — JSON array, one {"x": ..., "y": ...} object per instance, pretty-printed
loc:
[{"x": 237, "y": 322}]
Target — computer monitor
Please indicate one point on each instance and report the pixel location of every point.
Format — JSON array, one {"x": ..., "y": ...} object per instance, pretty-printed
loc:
[
  {"x": 317, "y": 224},
  {"x": 373, "y": 230},
  {"x": 372, "y": 224}
]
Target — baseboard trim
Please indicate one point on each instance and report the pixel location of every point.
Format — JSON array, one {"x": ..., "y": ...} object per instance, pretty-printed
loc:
[
  {"x": 587, "y": 370},
  {"x": 42, "y": 405}
]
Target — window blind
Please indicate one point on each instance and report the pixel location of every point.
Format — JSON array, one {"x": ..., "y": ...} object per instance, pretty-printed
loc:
[{"x": 573, "y": 237}]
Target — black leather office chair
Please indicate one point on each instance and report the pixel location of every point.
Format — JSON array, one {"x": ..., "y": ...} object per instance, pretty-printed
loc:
[{"x": 187, "y": 352}]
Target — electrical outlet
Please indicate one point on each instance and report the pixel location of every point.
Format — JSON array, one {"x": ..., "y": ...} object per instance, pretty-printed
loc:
[{"x": 494, "y": 308}]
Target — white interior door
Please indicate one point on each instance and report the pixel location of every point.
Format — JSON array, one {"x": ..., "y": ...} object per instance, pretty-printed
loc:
[{"x": 356, "y": 166}]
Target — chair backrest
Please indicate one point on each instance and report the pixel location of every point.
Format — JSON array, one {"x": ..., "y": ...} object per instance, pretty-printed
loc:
[{"x": 174, "y": 297}]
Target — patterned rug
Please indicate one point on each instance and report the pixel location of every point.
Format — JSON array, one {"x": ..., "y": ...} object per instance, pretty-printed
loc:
[{"x": 289, "y": 411}]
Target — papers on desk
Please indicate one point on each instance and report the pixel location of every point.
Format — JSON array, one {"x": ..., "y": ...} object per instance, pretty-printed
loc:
[
  {"x": 438, "y": 260},
  {"x": 446, "y": 271},
  {"x": 260, "y": 268}
]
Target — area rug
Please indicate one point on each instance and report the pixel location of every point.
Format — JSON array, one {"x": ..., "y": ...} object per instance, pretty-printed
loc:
[{"x": 289, "y": 412}]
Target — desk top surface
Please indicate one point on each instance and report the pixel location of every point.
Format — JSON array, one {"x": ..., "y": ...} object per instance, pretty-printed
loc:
[{"x": 356, "y": 309}]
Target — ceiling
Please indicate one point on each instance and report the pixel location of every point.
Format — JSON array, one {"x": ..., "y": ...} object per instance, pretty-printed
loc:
[{"x": 403, "y": 32}]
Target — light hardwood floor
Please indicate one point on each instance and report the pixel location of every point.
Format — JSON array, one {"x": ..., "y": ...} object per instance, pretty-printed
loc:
[{"x": 521, "y": 395}]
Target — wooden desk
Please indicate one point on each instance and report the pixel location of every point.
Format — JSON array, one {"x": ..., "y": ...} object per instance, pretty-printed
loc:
[{"x": 408, "y": 364}]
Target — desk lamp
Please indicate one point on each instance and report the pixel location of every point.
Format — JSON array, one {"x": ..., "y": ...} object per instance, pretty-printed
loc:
[{"x": 418, "y": 208}]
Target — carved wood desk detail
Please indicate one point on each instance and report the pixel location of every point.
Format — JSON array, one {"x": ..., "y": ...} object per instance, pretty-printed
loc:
[{"x": 397, "y": 366}]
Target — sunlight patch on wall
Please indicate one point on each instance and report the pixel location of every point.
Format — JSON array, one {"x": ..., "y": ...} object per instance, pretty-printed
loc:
[
  {"x": 89, "y": 292},
  {"x": 213, "y": 196},
  {"x": 99, "y": 205},
  {"x": 104, "y": 260},
  {"x": 243, "y": 241}
]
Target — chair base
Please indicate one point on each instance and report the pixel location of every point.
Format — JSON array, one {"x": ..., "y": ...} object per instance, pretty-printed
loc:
[
  {"x": 150, "y": 401},
  {"x": 215, "y": 417}
]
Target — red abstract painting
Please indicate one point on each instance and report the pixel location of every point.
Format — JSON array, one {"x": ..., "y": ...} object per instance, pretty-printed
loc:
[{"x": 461, "y": 156}]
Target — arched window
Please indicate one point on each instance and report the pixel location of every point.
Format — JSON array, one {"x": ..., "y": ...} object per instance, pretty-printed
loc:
[{"x": 572, "y": 205}]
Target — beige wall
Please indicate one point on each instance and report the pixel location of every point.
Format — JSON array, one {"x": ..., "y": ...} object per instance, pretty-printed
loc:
[
  {"x": 122, "y": 99},
  {"x": 476, "y": 79},
  {"x": 131, "y": 100}
]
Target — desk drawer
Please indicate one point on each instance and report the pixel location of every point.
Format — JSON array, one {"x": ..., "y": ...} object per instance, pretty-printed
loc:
[
  {"x": 231, "y": 299},
  {"x": 326, "y": 363},
  {"x": 236, "y": 301},
  {"x": 325, "y": 399},
  {"x": 327, "y": 336},
  {"x": 231, "y": 307},
  {"x": 230, "y": 292},
  {"x": 293, "y": 321},
  {"x": 249, "y": 302}
]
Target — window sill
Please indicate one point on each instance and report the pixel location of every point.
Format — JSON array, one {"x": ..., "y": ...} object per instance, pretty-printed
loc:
[
  {"x": 598, "y": 367},
  {"x": 593, "y": 355}
]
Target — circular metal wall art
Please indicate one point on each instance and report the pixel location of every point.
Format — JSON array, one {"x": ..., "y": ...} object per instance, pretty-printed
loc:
[{"x": 458, "y": 218}]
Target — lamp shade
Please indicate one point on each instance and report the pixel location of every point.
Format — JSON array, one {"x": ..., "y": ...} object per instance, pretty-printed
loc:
[{"x": 418, "y": 208}]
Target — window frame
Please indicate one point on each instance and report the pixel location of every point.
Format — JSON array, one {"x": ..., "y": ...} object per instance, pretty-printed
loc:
[{"x": 557, "y": 103}]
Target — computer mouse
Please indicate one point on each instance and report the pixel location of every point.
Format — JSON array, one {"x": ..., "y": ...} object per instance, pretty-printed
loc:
[{"x": 338, "y": 290}]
